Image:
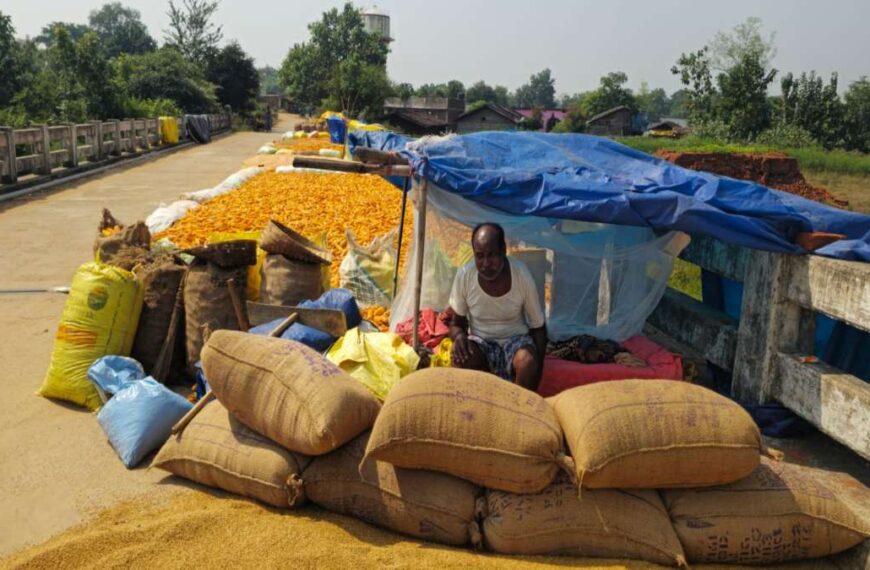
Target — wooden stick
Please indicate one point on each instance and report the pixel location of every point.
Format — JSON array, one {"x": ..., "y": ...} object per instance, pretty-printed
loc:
[
  {"x": 284, "y": 325},
  {"x": 238, "y": 305},
  {"x": 419, "y": 249},
  {"x": 209, "y": 396},
  {"x": 401, "y": 231},
  {"x": 379, "y": 157},
  {"x": 182, "y": 423},
  {"x": 340, "y": 165}
]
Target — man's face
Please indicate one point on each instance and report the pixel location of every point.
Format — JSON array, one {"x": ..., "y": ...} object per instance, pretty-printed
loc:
[{"x": 489, "y": 257}]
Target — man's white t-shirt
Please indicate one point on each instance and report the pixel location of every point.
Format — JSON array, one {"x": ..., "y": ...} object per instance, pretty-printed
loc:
[{"x": 497, "y": 318}]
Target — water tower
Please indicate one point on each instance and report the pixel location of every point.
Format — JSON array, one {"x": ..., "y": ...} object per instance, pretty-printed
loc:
[{"x": 377, "y": 22}]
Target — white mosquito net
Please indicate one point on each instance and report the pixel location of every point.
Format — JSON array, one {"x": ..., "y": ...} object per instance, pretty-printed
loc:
[{"x": 597, "y": 279}]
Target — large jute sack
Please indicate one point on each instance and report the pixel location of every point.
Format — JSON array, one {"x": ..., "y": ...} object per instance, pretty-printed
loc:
[
  {"x": 284, "y": 390},
  {"x": 217, "y": 450},
  {"x": 780, "y": 512},
  {"x": 161, "y": 280},
  {"x": 651, "y": 434},
  {"x": 472, "y": 425},
  {"x": 601, "y": 523},
  {"x": 287, "y": 281},
  {"x": 424, "y": 504},
  {"x": 207, "y": 303}
]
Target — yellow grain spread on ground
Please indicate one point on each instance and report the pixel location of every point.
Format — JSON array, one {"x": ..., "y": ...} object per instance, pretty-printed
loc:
[
  {"x": 202, "y": 529},
  {"x": 314, "y": 204}
]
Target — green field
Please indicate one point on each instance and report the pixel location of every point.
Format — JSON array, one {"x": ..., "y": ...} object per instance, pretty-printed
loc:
[{"x": 809, "y": 159}]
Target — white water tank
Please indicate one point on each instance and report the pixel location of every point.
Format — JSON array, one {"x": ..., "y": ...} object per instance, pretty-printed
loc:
[{"x": 377, "y": 22}]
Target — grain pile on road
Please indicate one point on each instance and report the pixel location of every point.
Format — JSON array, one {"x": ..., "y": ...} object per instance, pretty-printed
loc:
[{"x": 314, "y": 204}]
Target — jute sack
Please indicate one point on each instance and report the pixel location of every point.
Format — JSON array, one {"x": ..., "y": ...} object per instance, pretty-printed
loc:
[
  {"x": 160, "y": 282},
  {"x": 287, "y": 281},
  {"x": 216, "y": 450},
  {"x": 605, "y": 523},
  {"x": 207, "y": 303},
  {"x": 287, "y": 392},
  {"x": 650, "y": 434},
  {"x": 424, "y": 504},
  {"x": 781, "y": 512},
  {"x": 472, "y": 425}
]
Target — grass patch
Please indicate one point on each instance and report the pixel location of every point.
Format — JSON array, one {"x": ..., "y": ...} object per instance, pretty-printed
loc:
[
  {"x": 815, "y": 159},
  {"x": 853, "y": 188},
  {"x": 686, "y": 278}
]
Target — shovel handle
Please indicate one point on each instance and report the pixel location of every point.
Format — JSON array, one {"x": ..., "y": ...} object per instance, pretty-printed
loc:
[
  {"x": 284, "y": 325},
  {"x": 197, "y": 408}
]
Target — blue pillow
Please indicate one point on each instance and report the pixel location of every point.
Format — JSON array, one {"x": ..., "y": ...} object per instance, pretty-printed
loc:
[
  {"x": 138, "y": 418},
  {"x": 310, "y": 337}
]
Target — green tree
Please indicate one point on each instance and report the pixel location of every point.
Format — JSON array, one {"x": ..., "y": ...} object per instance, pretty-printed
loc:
[
  {"x": 540, "y": 91},
  {"x": 10, "y": 61},
  {"x": 96, "y": 77},
  {"x": 654, "y": 102},
  {"x": 165, "y": 74},
  {"x": 192, "y": 30},
  {"x": 611, "y": 93},
  {"x": 455, "y": 89},
  {"x": 503, "y": 96},
  {"x": 269, "y": 84},
  {"x": 856, "y": 106},
  {"x": 339, "y": 54},
  {"x": 743, "y": 103},
  {"x": 807, "y": 102},
  {"x": 121, "y": 30},
  {"x": 480, "y": 91},
  {"x": 744, "y": 41},
  {"x": 403, "y": 91},
  {"x": 679, "y": 104},
  {"x": 574, "y": 121},
  {"x": 236, "y": 78},
  {"x": 75, "y": 31},
  {"x": 694, "y": 71}
]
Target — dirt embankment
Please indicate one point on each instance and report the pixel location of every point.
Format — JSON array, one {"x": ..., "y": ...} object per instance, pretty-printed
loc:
[{"x": 774, "y": 170}]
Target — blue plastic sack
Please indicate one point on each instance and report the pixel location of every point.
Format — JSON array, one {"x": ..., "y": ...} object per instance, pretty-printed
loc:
[
  {"x": 138, "y": 419},
  {"x": 309, "y": 336},
  {"x": 337, "y": 129},
  {"x": 340, "y": 299},
  {"x": 201, "y": 387},
  {"x": 112, "y": 373}
]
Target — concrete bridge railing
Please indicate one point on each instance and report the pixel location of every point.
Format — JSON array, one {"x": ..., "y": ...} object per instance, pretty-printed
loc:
[
  {"x": 55, "y": 151},
  {"x": 769, "y": 349}
]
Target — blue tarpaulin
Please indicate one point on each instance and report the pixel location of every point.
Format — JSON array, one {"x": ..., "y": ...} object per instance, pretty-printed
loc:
[{"x": 593, "y": 179}]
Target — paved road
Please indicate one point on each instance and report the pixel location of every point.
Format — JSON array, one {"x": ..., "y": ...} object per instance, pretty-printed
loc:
[{"x": 55, "y": 463}]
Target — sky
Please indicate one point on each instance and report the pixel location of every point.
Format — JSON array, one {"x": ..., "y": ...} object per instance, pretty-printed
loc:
[{"x": 504, "y": 42}]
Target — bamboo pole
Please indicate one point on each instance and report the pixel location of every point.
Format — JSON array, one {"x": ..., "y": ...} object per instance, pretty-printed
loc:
[{"x": 419, "y": 248}]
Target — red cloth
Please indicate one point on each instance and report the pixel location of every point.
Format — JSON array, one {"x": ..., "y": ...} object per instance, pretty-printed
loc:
[
  {"x": 560, "y": 375},
  {"x": 433, "y": 329}
]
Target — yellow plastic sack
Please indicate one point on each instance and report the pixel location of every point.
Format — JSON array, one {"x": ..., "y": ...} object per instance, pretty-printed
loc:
[
  {"x": 100, "y": 318},
  {"x": 377, "y": 360},
  {"x": 354, "y": 125},
  {"x": 252, "y": 291},
  {"x": 299, "y": 134},
  {"x": 327, "y": 114},
  {"x": 367, "y": 271},
  {"x": 168, "y": 130},
  {"x": 443, "y": 357}
]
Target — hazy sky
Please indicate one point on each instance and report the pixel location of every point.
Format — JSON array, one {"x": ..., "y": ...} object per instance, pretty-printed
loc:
[{"x": 505, "y": 41}]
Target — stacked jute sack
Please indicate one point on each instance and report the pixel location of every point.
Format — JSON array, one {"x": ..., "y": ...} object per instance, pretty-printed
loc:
[{"x": 668, "y": 472}]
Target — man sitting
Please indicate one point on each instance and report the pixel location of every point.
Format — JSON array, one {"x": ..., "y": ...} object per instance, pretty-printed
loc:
[{"x": 495, "y": 297}]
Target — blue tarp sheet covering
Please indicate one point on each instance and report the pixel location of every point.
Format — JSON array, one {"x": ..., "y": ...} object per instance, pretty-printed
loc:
[{"x": 593, "y": 179}]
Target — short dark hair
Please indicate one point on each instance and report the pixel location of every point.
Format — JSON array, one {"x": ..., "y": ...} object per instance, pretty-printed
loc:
[{"x": 499, "y": 232}]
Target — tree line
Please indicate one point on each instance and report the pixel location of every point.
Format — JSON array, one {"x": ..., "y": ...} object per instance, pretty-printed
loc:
[
  {"x": 111, "y": 67},
  {"x": 725, "y": 88}
]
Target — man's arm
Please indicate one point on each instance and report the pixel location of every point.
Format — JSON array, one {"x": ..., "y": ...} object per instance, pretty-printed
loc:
[
  {"x": 459, "y": 335},
  {"x": 539, "y": 337}
]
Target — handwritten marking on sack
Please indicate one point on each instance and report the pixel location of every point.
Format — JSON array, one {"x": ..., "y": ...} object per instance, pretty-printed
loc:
[
  {"x": 315, "y": 362},
  {"x": 761, "y": 546}
]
